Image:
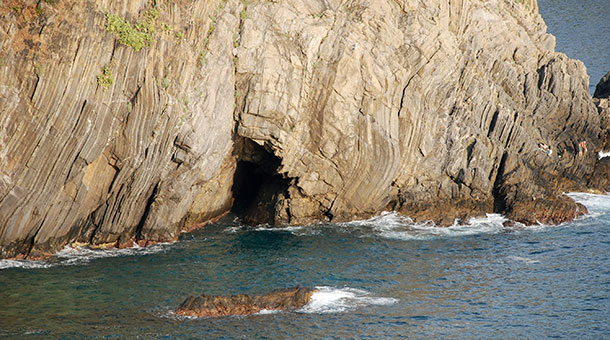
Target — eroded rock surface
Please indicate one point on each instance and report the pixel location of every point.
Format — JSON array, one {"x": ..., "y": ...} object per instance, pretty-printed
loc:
[
  {"x": 213, "y": 306},
  {"x": 297, "y": 111}
]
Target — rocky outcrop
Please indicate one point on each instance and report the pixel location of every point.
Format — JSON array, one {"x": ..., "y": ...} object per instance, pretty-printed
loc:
[
  {"x": 126, "y": 122},
  {"x": 601, "y": 98},
  {"x": 214, "y": 306},
  {"x": 602, "y": 90}
]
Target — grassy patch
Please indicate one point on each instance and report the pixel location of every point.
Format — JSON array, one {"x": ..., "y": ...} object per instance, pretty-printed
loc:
[
  {"x": 135, "y": 36},
  {"x": 125, "y": 33},
  {"x": 105, "y": 80}
]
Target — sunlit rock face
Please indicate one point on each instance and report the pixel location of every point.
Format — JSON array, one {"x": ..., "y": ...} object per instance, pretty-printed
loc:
[{"x": 296, "y": 111}]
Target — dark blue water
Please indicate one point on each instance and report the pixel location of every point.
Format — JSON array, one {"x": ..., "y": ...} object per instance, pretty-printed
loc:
[
  {"x": 582, "y": 29},
  {"x": 384, "y": 278}
]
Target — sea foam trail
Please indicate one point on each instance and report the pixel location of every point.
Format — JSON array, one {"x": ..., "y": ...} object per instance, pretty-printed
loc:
[
  {"x": 27, "y": 264},
  {"x": 395, "y": 226},
  {"x": 593, "y": 202},
  {"x": 81, "y": 255},
  {"x": 335, "y": 300}
]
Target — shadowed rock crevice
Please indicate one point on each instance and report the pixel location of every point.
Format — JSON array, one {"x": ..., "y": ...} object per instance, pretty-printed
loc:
[{"x": 257, "y": 186}]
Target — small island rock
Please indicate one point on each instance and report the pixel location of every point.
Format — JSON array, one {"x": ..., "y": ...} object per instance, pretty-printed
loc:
[{"x": 244, "y": 304}]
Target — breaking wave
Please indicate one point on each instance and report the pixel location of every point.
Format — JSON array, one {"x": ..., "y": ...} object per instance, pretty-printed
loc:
[
  {"x": 595, "y": 203},
  {"x": 389, "y": 225},
  {"x": 395, "y": 226},
  {"x": 81, "y": 255},
  {"x": 335, "y": 300},
  {"x": 27, "y": 264}
]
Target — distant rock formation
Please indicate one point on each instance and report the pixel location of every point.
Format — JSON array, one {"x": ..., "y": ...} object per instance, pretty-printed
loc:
[
  {"x": 601, "y": 98},
  {"x": 602, "y": 90},
  {"x": 212, "y": 306},
  {"x": 126, "y": 122}
]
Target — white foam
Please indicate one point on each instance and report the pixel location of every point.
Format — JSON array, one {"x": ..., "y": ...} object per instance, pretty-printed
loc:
[
  {"x": 81, "y": 255},
  {"x": 523, "y": 259},
  {"x": 395, "y": 226},
  {"x": 171, "y": 314},
  {"x": 601, "y": 154},
  {"x": 270, "y": 228},
  {"x": 335, "y": 300},
  {"x": 268, "y": 311},
  {"x": 27, "y": 264},
  {"x": 234, "y": 229},
  {"x": 295, "y": 230},
  {"x": 593, "y": 202}
]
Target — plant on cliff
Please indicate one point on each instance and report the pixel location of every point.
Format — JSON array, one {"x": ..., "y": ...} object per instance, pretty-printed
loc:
[
  {"x": 201, "y": 57},
  {"x": 105, "y": 80},
  {"x": 137, "y": 36}
]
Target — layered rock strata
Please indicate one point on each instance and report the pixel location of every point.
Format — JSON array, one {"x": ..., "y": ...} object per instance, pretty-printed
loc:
[
  {"x": 126, "y": 122},
  {"x": 243, "y": 304}
]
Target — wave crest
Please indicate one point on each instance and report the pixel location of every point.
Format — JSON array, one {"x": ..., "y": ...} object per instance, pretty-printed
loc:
[{"x": 335, "y": 300}]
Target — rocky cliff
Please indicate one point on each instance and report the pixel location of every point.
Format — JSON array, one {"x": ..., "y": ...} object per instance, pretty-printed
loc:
[{"x": 125, "y": 121}]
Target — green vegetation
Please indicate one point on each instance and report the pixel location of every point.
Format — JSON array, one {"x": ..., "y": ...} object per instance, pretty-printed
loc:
[
  {"x": 166, "y": 83},
  {"x": 137, "y": 36},
  {"x": 39, "y": 69},
  {"x": 201, "y": 56},
  {"x": 166, "y": 27},
  {"x": 150, "y": 22},
  {"x": 127, "y": 34},
  {"x": 105, "y": 80}
]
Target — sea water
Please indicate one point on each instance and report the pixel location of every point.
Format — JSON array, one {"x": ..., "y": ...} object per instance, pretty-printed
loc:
[
  {"x": 382, "y": 278},
  {"x": 582, "y": 29}
]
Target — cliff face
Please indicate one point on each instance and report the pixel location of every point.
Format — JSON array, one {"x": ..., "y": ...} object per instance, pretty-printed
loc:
[{"x": 130, "y": 121}]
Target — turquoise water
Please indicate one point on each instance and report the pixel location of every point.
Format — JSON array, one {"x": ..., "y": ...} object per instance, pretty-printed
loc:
[
  {"x": 384, "y": 278},
  {"x": 582, "y": 29}
]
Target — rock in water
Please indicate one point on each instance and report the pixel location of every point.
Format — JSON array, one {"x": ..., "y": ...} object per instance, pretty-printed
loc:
[{"x": 280, "y": 299}]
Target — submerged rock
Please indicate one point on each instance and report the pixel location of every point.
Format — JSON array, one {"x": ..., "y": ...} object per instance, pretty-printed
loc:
[
  {"x": 243, "y": 304},
  {"x": 292, "y": 112}
]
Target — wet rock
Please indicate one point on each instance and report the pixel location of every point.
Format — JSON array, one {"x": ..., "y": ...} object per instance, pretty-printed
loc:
[{"x": 243, "y": 304}]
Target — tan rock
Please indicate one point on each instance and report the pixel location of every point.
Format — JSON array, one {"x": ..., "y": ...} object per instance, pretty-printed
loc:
[{"x": 336, "y": 109}]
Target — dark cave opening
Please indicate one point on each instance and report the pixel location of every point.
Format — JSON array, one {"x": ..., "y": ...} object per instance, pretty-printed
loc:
[
  {"x": 257, "y": 185},
  {"x": 247, "y": 183}
]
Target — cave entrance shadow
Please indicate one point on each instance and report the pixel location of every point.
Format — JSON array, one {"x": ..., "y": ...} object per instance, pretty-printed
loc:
[{"x": 257, "y": 185}]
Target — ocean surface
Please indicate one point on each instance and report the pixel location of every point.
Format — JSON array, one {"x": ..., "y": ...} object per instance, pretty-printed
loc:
[
  {"x": 582, "y": 29},
  {"x": 383, "y": 278}
]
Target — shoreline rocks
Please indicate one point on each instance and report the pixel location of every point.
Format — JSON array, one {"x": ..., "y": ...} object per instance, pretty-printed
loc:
[
  {"x": 243, "y": 304},
  {"x": 290, "y": 112}
]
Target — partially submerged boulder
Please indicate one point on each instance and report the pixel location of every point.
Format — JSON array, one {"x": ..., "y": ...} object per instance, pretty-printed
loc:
[{"x": 244, "y": 304}]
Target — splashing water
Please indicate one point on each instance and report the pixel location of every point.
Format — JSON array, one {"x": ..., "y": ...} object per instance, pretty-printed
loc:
[{"x": 335, "y": 300}]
